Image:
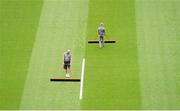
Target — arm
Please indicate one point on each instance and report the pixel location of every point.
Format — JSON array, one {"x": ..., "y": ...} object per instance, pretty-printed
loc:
[
  {"x": 104, "y": 32},
  {"x": 98, "y": 31},
  {"x": 71, "y": 60},
  {"x": 63, "y": 59}
]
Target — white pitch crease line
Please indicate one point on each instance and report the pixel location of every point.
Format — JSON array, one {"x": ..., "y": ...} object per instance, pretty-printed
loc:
[{"x": 82, "y": 79}]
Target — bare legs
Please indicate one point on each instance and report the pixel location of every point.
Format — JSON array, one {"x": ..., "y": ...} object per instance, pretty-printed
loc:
[
  {"x": 68, "y": 71},
  {"x": 101, "y": 41}
]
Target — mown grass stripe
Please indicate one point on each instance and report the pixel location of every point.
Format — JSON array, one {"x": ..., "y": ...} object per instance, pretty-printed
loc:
[
  {"x": 62, "y": 25},
  {"x": 112, "y": 80},
  {"x": 158, "y": 44},
  {"x": 18, "y": 26}
]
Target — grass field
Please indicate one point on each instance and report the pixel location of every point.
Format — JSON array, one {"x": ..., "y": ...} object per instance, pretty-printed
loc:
[{"x": 140, "y": 71}]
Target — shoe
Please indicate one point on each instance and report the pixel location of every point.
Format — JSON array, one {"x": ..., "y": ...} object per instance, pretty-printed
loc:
[{"x": 66, "y": 75}]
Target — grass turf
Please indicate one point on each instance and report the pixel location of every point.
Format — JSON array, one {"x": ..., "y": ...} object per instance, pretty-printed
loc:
[
  {"x": 18, "y": 25},
  {"x": 58, "y": 30},
  {"x": 111, "y": 75},
  {"x": 140, "y": 71},
  {"x": 159, "y": 51}
]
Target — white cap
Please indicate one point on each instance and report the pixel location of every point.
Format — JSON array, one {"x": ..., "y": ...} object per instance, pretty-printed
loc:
[{"x": 68, "y": 50}]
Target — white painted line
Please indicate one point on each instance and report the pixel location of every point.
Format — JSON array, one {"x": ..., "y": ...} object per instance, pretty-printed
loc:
[{"x": 82, "y": 79}]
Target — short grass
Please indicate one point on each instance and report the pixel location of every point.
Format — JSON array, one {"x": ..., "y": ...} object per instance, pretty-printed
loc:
[
  {"x": 111, "y": 76},
  {"x": 18, "y": 24},
  {"x": 139, "y": 71}
]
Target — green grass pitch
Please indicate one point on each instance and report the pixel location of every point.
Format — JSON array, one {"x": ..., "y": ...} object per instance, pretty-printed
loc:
[{"x": 140, "y": 71}]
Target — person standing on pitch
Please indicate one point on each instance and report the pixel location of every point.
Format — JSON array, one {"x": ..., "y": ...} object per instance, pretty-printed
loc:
[
  {"x": 67, "y": 63},
  {"x": 101, "y": 34}
]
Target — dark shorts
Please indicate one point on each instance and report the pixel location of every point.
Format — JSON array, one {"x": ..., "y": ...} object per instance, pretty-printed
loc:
[{"x": 67, "y": 65}]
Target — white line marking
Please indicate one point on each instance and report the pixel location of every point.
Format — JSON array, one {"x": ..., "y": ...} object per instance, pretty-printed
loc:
[{"x": 82, "y": 79}]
